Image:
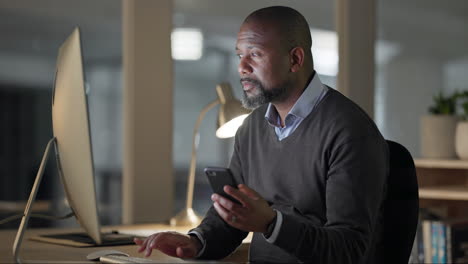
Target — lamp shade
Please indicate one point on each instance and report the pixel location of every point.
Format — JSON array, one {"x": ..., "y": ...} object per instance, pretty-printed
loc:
[{"x": 231, "y": 113}]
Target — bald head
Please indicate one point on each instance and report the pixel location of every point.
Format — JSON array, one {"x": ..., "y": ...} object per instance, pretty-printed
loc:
[
  {"x": 275, "y": 61},
  {"x": 292, "y": 27}
]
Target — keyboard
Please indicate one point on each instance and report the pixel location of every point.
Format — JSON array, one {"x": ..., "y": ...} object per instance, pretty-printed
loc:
[
  {"x": 80, "y": 239},
  {"x": 119, "y": 259}
]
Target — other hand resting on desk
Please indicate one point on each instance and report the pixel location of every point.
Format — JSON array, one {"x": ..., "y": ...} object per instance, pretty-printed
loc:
[
  {"x": 253, "y": 215},
  {"x": 173, "y": 244}
]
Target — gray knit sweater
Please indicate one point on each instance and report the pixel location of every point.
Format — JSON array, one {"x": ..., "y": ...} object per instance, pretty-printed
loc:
[{"x": 327, "y": 179}]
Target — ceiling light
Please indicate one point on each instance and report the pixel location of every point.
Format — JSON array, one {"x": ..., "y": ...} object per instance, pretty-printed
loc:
[
  {"x": 325, "y": 51},
  {"x": 186, "y": 43}
]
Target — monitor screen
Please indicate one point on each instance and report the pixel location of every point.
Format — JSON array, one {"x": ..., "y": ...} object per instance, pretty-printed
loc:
[{"x": 72, "y": 132}]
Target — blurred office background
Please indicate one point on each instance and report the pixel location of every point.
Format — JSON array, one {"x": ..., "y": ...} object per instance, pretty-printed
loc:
[{"x": 421, "y": 49}]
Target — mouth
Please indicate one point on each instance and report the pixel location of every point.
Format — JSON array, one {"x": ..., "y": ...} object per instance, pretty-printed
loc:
[{"x": 248, "y": 86}]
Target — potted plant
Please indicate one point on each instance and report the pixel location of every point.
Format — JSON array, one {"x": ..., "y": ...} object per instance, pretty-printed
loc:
[
  {"x": 438, "y": 128},
  {"x": 461, "y": 134}
]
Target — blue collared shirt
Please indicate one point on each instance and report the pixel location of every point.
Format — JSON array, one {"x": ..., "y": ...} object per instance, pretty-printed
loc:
[{"x": 311, "y": 96}]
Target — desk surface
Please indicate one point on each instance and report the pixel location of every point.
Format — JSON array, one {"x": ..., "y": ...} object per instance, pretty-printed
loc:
[{"x": 39, "y": 252}]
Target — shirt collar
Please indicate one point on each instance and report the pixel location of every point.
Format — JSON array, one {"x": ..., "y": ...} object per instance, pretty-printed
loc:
[{"x": 304, "y": 104}]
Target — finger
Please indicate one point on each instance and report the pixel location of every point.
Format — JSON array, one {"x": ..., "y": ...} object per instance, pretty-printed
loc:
[
  {"x": 151, "y": 245},
  {"x": 249, "y": 192},
  {"x": 223, "y": 212},
  {"x": 148, "y": 250},
  {"x": 238, "y": 195},
  {"x": 225, "y": 202},
  {"x": 139, "y": 242},
  {"x": 143, "y": 245},
  {"x": 237, "y": 221},
  {"x": 233, "y": 209}
]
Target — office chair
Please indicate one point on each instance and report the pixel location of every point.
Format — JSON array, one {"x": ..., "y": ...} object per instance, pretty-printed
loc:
[{"x": 401, "y": 206}]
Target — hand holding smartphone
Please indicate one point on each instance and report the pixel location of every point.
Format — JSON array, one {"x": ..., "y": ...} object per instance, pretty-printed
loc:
[{"x": 218, "y": 178}]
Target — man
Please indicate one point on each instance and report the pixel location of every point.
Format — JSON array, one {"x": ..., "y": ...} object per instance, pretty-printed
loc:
[{"x": 311, "y": 164}]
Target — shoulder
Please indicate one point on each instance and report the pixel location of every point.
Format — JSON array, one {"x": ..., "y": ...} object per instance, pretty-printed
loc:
[
  {"x": 348, "y": 131},
  {"x": 344, "y": 118}
]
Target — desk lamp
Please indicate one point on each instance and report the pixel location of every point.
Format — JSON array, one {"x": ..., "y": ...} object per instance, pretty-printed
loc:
[{"x": 230, "y": 116}]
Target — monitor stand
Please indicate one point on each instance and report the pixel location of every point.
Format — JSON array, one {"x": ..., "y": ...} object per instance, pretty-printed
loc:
[
  {"x": 32, "y": 198},
  {"x": 73, "y": 239}
]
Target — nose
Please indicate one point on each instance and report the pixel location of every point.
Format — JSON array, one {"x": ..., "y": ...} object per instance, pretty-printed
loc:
[{"x": 244, "y": 67}]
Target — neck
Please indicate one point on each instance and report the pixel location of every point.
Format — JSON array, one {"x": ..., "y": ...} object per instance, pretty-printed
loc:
[{"x": 285, "y": 105}]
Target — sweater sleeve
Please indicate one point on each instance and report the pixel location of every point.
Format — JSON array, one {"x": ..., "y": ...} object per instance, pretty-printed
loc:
[
  {"x": 221, "y": 239},
  {"x": 355, "y": 188}
]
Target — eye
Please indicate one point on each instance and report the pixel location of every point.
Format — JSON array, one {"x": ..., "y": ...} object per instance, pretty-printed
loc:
[
  {"x": 240, "y": 56},
  {"x": 254, "y": 54}
]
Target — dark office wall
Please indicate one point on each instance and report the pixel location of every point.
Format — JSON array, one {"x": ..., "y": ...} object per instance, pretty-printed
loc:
[{"x": 25, "y": 128}]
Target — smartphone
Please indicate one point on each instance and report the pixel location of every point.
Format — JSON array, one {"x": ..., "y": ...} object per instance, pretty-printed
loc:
[{"x": 218, "y": 178}]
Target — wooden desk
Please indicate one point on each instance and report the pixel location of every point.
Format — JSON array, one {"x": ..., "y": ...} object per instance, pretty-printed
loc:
[{"x": 38, "y": 252}]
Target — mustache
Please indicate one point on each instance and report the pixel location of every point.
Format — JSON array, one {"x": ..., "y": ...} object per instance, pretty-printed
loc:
[{"x": 250, "y": 80}]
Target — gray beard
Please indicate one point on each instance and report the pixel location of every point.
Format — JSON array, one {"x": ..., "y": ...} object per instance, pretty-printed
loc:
[{"x": 276, "y": 94}]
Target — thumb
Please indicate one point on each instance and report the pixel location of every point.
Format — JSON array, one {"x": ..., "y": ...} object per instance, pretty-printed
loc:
[
  {"x": 251, "y": 193},
  {"x": 185, "y": 252}
]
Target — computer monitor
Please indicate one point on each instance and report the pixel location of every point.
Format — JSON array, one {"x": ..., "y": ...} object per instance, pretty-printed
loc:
[
  {"x": 70, "y": 121},
  {"x": 72, "y": 144}
]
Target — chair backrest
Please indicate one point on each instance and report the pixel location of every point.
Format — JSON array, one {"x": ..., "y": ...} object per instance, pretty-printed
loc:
[{"x": 401, "y": 206}]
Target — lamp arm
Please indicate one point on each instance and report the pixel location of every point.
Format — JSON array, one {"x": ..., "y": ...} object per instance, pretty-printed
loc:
[{"x": 193, "y": 161}]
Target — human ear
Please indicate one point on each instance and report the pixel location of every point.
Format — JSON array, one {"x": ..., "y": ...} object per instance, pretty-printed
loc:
[{"x": 296, "y": 56}]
